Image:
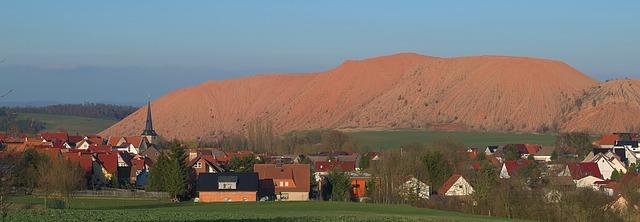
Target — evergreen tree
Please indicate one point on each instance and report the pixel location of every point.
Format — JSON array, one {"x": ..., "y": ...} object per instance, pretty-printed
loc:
[
  {"x": 175, "y": 181},
  {"x": 158, "y": 174}
]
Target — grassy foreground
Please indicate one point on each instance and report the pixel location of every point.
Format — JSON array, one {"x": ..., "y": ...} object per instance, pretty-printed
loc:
[
  {"x": 71, "y": 124},
  {"x": 395, "y": 138},
  {"x": 155, "y": 210}
]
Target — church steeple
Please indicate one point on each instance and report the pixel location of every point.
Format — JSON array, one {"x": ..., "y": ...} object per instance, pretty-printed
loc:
[{"x": 148, "y": 129}]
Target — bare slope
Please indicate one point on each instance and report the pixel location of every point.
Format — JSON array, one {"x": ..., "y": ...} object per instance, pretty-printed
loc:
[
  {"x": 613, "y": 106},
  {"x": 402, "y": 90}
]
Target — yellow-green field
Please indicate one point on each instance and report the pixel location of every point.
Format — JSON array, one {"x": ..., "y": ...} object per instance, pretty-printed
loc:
[{"x": 71, "y": 124}]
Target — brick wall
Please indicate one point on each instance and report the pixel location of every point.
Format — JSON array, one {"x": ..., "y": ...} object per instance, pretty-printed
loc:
[{"x": 228, "y": 196}]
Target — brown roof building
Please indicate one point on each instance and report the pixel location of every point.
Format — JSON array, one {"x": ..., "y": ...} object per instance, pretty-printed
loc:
[{"x": 287, "y": 182}]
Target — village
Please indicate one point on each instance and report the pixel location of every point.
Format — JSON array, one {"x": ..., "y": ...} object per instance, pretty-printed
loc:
[{"x": 215, "y": 176}]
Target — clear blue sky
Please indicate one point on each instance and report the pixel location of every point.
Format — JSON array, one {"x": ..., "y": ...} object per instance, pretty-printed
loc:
[{"x": 120, "y": 51}]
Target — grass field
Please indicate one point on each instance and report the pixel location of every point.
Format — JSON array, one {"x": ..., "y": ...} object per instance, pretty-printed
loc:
[
  {"x": 395, "y": 138},
  {"x": 155, "y": 210},
  {"x": 71, "y": 124}
]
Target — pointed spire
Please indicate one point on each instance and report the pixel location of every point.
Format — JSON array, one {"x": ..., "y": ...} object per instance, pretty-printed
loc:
[{"x": 148, "y": 129}]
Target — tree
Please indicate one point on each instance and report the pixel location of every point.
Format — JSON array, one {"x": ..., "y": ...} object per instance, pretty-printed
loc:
[
  {"x": 157, "y": 174},
  {"x": 70, "y": 177},
  {"x": 170, "y": 172},
  {"x": 340, "y": 185},
  {"x": 242, "y": 164},
  {"x": 511, "y": 153},
  {"x": 175, "y": 181},
  {"x": 6, "y": 177},
  {"x": 26, "y": 170},
  {"x": 579, "y": 141},
  {"x": 60, "y": 176},
  {"x": 615, "y": 175},
  {"x": 334, "y": 139},
  {"x": 484, "y": 180},
  {"x": 115, "y": 183},
  {"x": 364, "y": 162},
  {"x": 437, "y": 168}
]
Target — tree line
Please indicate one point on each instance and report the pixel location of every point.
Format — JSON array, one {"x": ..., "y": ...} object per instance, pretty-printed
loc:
[{"x": 92, "y": 110}]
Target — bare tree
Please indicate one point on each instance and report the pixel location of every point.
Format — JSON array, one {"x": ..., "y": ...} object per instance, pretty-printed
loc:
[{"x": 6, "y": 180}]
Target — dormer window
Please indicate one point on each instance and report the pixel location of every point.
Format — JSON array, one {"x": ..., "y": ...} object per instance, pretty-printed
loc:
[
  {"x": 197, "y": 165},
  {"x": 227, "y": 182}
]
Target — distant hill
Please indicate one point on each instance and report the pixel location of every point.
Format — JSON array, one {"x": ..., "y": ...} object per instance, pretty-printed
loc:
[
  {"x": 484, "y": 93},
  {"x": 91, "y": 110}
]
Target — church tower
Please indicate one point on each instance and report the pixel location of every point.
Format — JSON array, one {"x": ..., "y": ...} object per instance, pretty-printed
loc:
[{"x": 148, "y": 132}]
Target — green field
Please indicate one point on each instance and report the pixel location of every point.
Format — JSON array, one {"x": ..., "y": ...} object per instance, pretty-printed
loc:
[
  {"x": 395, "y": 138},
  {"x": 71, "y": 124},
  {"x": 155, "y": 210}
]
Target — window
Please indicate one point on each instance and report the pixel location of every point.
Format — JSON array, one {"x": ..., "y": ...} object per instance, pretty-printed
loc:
[
  {"x": 281, "y": 184},
  {"x": 286, "y": 184},
  {"x": 226, "y": 186},
  {"x": 197, "y": 165},
  {"x": 122, "y": 164}
]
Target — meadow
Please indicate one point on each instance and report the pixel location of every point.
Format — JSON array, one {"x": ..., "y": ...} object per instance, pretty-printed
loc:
[
  {"x": 71, "y": 124},
  {"x": 83, "y": 209},
  {"x": 379, "y": 140}
]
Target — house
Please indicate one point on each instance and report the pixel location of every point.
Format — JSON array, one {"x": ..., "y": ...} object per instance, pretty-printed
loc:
[
  {"x": 84, "y": 144},
  {"x": 152, "y": 153},
  {"x": 490, "y": 150},
  {"x": 588, "y": 182},
  {"x": 114, "y": 164},
  {"x": 580, "y": 170},
  {"x": 456, "y": 185},
  {"x": 524, "y": 150},
  {"x": 57, "y": 136},
  {"x": 511, "y": 167},
  {"x": 413, "y": 188},
  {"x": 227, "y": 187},
  {"x": 544, "y": 155},
  {"x": 607, "y": 163},
  {"x": 359, "y": 185},
  {"x": 204, "y": 164},
  {"x": 140, "y": 165},
  {"x": 286, "y": 182}
]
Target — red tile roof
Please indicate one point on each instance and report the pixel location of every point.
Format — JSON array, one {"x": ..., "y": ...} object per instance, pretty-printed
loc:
[
  {"x": 608, "y": 139},
  {"x": 447, "y": 185},
  {"x": 75, "y": 139},
  {"x": 100, "y": 148},
  {"x": 326, "y": 166},
  {"x": 113, "y": 140},
  {"x": 85, "y": 161},
  {"x": 514, "y": 165},
  {"x": 532, "y": 148},
  {"x": 109, "y": 161},
  {"x": 580, "y": 170},
  {"x": 298, "y": 176},
  {"x": 135, "y": 140},
  {"x": 60, "y": 136}
]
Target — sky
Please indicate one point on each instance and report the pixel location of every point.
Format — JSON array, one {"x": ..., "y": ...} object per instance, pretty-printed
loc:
[{"x": 124, "y": 51}]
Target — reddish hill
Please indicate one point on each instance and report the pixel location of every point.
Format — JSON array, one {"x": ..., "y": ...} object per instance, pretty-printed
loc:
[
  {"x": 613, "y": 106},
  {"x": 403, "y": 90}
]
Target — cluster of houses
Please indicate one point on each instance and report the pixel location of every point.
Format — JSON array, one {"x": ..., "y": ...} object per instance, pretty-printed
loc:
[{"x": 290, "y": 177}]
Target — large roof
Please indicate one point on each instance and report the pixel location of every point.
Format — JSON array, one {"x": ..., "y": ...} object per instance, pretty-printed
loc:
[
  {"x": 580, "y": 170},
  {"x": 245, "y": 181},
  {"x": 299, "y": 176}
]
